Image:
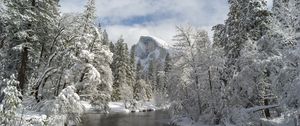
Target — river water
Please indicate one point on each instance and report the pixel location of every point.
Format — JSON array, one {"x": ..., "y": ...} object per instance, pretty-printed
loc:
[{"x": 154, "y": 118}]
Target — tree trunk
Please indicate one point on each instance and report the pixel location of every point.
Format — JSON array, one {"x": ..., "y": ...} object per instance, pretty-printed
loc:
[
  {"x": 267, "y": 110},
  {"x": 58, "y": 84},
  {"x": 210, "y": 82},
  {"x": 37, "y": 98},
  {"x": 2, "y": 43},
  {"x": 65, "y": 85},
  {"x": 41, "y": 54},
  {"x": 22, "y": 70},
  {"x": 55, "y": 40},
  {"x": 33, "y": 3},
  {"x": 198, "y": 90}
]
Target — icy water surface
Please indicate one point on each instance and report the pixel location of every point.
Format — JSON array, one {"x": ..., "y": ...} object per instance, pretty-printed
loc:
[{"x": 155, "y": 118}]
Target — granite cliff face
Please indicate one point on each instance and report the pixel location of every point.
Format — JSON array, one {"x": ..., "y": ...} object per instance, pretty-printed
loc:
[{"x": 149, "y": 49}]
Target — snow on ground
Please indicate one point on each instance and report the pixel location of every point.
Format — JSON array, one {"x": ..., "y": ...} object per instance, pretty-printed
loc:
[
  {"x": 27, "y": 117},
  {"x": 117, "y": 107},
  {"x": 87, "y": 105},
  {"x": 31, "y": 118},
  {"x": 185, "y": 121},
  {"x": 279, "y": 121}
]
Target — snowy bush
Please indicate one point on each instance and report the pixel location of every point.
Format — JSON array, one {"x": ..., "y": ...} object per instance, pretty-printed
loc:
[
  {"x": 10, "y": 103},
  {"x": 65, "y": 108},
  {"x": 140, "y": 90}
]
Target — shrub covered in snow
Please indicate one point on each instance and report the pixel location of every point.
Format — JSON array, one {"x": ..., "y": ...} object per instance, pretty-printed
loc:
[
  {"x": 65, "y": 108},
  {"x": 10, "y": 103}
]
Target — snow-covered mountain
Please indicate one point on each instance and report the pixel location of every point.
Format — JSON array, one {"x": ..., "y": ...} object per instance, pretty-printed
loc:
[{"x": 151, "y": 48}]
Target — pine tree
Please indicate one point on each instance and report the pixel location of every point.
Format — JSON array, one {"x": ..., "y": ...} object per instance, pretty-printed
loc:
[
  {"x": 89, "y": 16},
  {"x": 140, "y": 90},
  {"x": 167, "y": 71},
  {"x": 252, "y": 62},
  {"x": 2, "y": 24},
  {"x": 10, "y": 103},
  {"x": 283, "y": 41},
  {"x": 122, "y": 73},
  {"x": 79, "y": 60},
  {"x": 112, "y": 46},
  {"x": 112, "y": 49},
  {"x": 29, "y": 37},
  {"x": 22, "y": 38},
  {"x": 139, "y": 71},
  {"x": 105, "y": 40},
  {"x": 152, "y": 75},
  {"x": 47, "y": 31},
  {"x": 219, "y": 36},
  {"x": 168, "y": 63},
  {"x": 286, "y": 20},
  {"x": 92, "y": 73}
]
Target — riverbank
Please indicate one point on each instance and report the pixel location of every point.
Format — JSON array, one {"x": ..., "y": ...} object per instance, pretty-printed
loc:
[
  {"x": 116, "y": 107},
  {"x": 119, "y": 107},
  {"x": 32, "y": 113}
]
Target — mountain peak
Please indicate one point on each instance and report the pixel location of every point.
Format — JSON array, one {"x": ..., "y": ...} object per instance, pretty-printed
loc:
[
  {"x": 159, "y": 42},
  {"x": 150, "y": 48}
]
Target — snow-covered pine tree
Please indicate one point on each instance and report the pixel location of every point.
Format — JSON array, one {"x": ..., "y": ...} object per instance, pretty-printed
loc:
[
  {"x": 112, "y": 46},
  {"x": 122, "y": 79},
  {"x": 140, "y": 90},
  {"x": 105, "y": 39},
  {"x": 48, "y": 31},
  {"x": 89, "y": 16},
  {"x": 90, "y": 70},
  {"x": 236, "y": 30},
  {"x": 102, "y": 61},
  {"x": 132, "y": 66},
  {"x": 251, "y": 85},
  {"x": 286, "y": 20},
  {"x": 117, "y": 72},
  {"x": 284, "y": 33},
  {"x": 11, "y": 102},
  {"x": 2, "y": 24},
  {"x": 152, "y": 75},
  {"x": 27, "y": 51},
  {"x": 21, "y": 38},
  {"x": 168, "y": 66},
  {"x": 219, "y": 36},
  {"x": 2, "y": 40}
]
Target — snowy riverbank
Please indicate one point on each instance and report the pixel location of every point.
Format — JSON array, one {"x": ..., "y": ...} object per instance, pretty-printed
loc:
[
  {"x": 119, "y": 107},
  {"x": 279, "y": 121},
  {"x": 116, "y": 107},
  {"x": 33, "y": 114}
]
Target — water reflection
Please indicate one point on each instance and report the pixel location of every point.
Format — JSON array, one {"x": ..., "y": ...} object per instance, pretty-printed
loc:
[{"x": 156, "y": 118}]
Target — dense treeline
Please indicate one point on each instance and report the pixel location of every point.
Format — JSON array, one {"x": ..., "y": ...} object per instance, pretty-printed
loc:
[{"x": 249, "y": 72}]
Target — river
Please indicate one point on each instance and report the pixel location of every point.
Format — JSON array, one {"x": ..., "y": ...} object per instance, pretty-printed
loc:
[{"x": 154, "y": 118}]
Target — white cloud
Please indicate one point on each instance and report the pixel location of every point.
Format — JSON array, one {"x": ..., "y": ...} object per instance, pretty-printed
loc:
[
  {"x": 68, "y": 6},
  {"x": 199, "y": 13},
  {"x": 270, "y": 4}
]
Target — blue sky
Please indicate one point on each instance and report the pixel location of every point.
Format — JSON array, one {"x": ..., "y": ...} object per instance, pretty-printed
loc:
[{"x": 133, "y": 18}]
